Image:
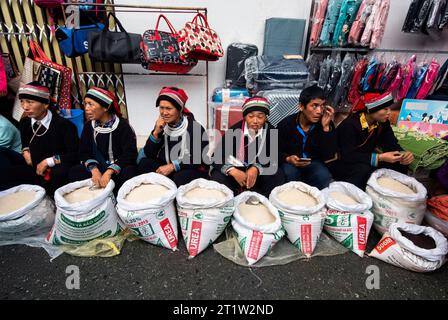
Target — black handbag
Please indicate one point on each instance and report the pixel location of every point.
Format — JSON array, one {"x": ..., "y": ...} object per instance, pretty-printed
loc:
[
  {"x": 116, "y": 47},
  {"x": 161, "y": 50}
]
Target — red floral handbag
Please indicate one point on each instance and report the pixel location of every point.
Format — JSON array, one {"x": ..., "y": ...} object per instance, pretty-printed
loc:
[
  {"x": 199, "y": 41},
  {"x": 64, "y": 97}
]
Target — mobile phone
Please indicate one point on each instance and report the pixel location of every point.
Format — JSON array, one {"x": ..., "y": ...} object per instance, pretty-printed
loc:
[{"x": 304, "y": 159}]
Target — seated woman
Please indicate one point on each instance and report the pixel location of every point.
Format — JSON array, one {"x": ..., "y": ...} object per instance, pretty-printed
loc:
[
  {"x": 49, "y": 142},
  {"x": 249, "y": 162},
  {"x": 108, "y": 145},
  {"x": 177, "y": 142},
  {"x": 10, "y": 144},
  {"x": 367, "y": 142}
]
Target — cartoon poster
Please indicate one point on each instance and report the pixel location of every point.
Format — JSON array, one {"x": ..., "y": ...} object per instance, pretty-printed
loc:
[{"x": 426, "y": 116}]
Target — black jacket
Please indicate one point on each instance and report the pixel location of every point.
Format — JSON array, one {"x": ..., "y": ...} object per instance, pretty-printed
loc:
[
  {"x": 60, "y": 139},
  {"x": 356, "y": 145},
  {"x": 155, "y": 149},
  {"x": 320, "y": 145},
  {"x": 232, "y": 140},
  {"x": 124, "y": 144}
]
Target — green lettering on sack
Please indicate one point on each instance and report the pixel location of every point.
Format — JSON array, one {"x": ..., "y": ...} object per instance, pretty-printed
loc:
[
  {"x": 243, "y": 243},
  {"x": 298, "y": 244},
  {"x": 160, "y": 215},
  {"x": 348, "y": 242},
  {"x": 78, "y": 242},
  {"x": 198, "y": 216},
  {"x": 227, "y": 219},
  {"x": 159, "y": 243},
  {"x": 83, "y": 224}
]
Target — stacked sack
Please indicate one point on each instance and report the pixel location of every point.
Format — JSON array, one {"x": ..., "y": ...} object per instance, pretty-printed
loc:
[
  {"x": 257, "y": 225},
  {"x": 146, "y": 207},
  {"x": 412, "y": 247},
  {"x": 396, "y": 198},
  {"x": 302, "y": 212},
  {"x": 25, "y": 211},
  {"x": 84, "y": 213},
  {"x": 349, "y": 219},
  {"x": 204, "y": 208}
]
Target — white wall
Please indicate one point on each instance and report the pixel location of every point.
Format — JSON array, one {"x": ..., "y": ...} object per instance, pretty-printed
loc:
[{"x": 234, "y": 21}]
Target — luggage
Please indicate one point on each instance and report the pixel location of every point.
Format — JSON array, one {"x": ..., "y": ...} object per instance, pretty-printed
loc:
[
  {"x": 283, "y": 36},
  {"x": 237, "y": 53},
  {"x": 283, "y": 103},
  {"x": 227, "y": 95},
  {"x": 225, "y": 115},
  {"x": 275, "y": 72}
]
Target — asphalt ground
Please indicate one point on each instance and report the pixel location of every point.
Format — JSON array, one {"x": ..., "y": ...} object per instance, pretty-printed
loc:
[{"x": 143, "y": 271}]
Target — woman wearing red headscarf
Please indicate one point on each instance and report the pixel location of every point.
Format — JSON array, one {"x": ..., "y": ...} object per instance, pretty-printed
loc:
[
  {"x": 177, "y": 143},
  {"x": 108, "y": 145}
]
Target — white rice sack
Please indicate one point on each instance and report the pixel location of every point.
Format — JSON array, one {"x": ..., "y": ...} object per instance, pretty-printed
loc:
[
  {"x": 204, "y": 208},
  {"x": 256, "y": 233},
  {"x": 348, "y": 218},
  {"x": 399, "y": 247},
  {"x": 302, "y": 212},
  {"x": 396, "y": 198},
  {"x": 26, "y": 211},
  {"x": 80, "y": 222},
  {"x": 146, "y": 207}
]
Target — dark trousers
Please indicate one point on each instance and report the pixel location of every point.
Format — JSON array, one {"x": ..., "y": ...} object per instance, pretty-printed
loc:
[
  {"x": 359, "y": 173},
  {"x": 79, "y": 172},
  {"x": 9, "y": 158},
  {"x": 180, "y": 178},
  {"x": 24, "y": 174},
  {"x": 263, "y": 185},
  {"x": 316, "y": 174}
]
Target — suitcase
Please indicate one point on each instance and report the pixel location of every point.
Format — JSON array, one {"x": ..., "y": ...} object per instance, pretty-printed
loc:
[
  {"x": 271, "y": 72},
  {"x": 225, "y": 115},
  {"x": 283, "y": 104},
  {"x": 227, "y": 95},
  {"x": 237, "y": 53},
  {"x": 283, "y": 36}
]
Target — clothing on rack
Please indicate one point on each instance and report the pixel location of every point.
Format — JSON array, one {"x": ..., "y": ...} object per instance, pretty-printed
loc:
[
  {"x": 318, "y": 21},
  {"x": 359, "y": 24},
  {"x": 346, "y": 18},
  {"x": 380, "y": 24},
  {"x": 331, "y": 18}
]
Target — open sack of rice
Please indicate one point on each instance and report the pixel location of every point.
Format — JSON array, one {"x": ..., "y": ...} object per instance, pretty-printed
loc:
[
  {"x": 412, "y": 247},
  {"x": 257, "y": 225},
  {"x": 204, "y": 208},
  {"x": 348, "y": 217},
  {"x": 396, "y": 198},
  {"x": 302, "y": 212},
  {"x": 25, "y": 211},
  {"x": 84, "y": 213},
  {"x": 145, "y": 204}
]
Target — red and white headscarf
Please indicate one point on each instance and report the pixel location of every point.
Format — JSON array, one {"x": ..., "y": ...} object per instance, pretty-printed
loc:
[{"x": 105, "y": 98}]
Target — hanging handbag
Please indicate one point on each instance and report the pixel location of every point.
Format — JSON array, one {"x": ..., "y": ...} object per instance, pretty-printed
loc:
[
  {"x": 161, "y": 50},
  {"x": 73, "y": 42},
  {"x": 63, "y": 99},
  {"x": 3, "y": 81},
  {"x": 115, "y": 47},
  {"x": 199, "y": 41}
]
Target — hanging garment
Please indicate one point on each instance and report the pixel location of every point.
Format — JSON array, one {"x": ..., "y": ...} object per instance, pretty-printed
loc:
[
  {"x": 380, "y": 24},
  {"x": 441, "y": 78},
  {"x": 367, "y": 34},
  {"x": 419, "y": 21},
  {"x": 395, "y": 85},
  {"x": 408, "y": 78},
  {"x": 331, "y": 18},
  {"x": 429, "y": 79},
  {"x": 318, "y": 21},
  {"x": 379, "y": 74},
  {"x": 313, "y": 64},
  {"x": 436, "y": 14},
  {"x": 369, "y": 78},
  {"x": 347, "y": 15},
  {"x": 341, "y": 91},
  {"x": 413, "y": 11},
  {"x": 334, "y": 77},
  {"x": 359, "y": 24},
  {"x": 418, "y": 81},
  {"x": 444, "y": 18},
  {"x": 354, "y": 93},
  {"x": 325, "y": 71},
  {"x": 389, "y": 75}
]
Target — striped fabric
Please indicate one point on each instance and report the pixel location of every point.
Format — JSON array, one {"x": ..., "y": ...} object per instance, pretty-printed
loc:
[{"x": 283, "y": 104}]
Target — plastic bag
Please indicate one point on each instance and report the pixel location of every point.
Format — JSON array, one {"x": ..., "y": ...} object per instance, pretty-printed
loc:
[
  {"x": 390, "y": 206},
  {"x": 256, "y": 240},
  {"x": 408, "y": 78},
  {"x": 349, "y": 224},
  {"x": 334, "y": 77},
  {"x": 340, "y": 93},
  {"x": 414, "y": 9},
  {"x": 429, "y": 79},
  {"x": 398, "y": 250},
  {"x": 78, "y": 223},
  {"x": 154, "y": 221},
  {"x": 325, "y": 71},
  {"x": 237, "y": 53},
  {"x": 203, "y": 221},
  {"x": 303, "y": 225},
  {"x": 418, "y": 81},
  {"x": 313, "y": 64}
]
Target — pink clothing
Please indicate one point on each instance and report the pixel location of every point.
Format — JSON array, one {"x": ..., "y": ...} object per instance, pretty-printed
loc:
[{"x": 318, "y": 22}]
